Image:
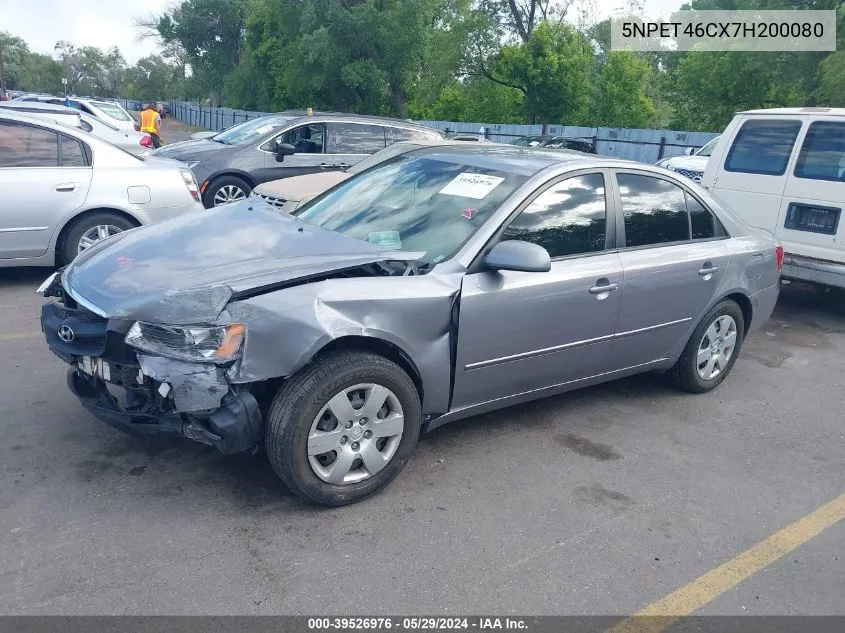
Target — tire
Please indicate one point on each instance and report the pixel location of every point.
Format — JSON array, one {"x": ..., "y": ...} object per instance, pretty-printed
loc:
[
  {"x": 220, "y": 186},
  {"x": 70, "y": 245},
  {"x": 303, "y": 402},
  {"x": 687, "y": 372}
]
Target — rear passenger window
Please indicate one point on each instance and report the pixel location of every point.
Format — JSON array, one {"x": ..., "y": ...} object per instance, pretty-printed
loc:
[
  {"x": 354, "y": 138},
  {"x": 24, "y": 145},
  {"x": 569, "y": 218},
  {"x": 763, "y": 147},
  {"x": 822, "y": 155},
  {"x": 72, "y": 153},
  {"x": 654, "y": 210},
  {"x": 704, "y": 224},
  {"x": 399, "y": 134}
]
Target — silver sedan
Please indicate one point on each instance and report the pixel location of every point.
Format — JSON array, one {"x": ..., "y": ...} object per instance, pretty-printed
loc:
[
  {"x": 65, "y": 190},
  {"x": 443, "y": 283}
]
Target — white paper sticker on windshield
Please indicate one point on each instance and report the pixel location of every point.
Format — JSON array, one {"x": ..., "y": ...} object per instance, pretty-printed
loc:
[
  {"x": 467, "y": 185},
  {"x": 388, "y": 240}
]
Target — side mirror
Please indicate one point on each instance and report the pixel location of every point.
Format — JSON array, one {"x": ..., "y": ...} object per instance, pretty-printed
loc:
[
  {"x": 284, "y": 149},
  {"x": 689, "y": 151},
  {"x": 519, "y": 255}
]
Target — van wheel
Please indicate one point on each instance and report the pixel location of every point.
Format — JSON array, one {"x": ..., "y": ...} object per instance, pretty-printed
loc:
[
  {"x": 225, "y": 190},
  {"x": 89, "y": 230},
  {"x": 343, "y": 428},
  {"x": 712, "y": 349}
]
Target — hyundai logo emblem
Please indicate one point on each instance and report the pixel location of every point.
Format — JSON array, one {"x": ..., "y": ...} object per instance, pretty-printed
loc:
[{"x": 66, "y": 334}]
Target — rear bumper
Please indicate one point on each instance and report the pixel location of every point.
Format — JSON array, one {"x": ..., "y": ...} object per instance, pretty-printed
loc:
[{"x": 813, "y": 270}]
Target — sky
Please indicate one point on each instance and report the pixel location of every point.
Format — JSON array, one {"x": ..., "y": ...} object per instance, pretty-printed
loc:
[{"x": 107, "y": 23}]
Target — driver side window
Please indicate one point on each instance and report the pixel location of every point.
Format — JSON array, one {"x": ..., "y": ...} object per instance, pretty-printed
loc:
[{"x": 307, "y": 139}]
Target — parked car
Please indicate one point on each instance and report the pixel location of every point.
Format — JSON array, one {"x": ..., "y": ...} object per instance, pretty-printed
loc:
[
  {"x": 783, "y": 170},
  {"x": 64, "y": 190},
  {"x": 289, "y": 193},
  {"x": 692, "y": 164},
  {"x": 556, "y": 142},
  {"x": 105, "y": 110},
  {"x": 129, "y": 140},
  {"x": 230, "y": 164},
  {"x": 426, "y": 289}
]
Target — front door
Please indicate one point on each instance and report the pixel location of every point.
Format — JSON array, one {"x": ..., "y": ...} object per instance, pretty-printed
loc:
[
  {"x": 523, "y": 331},
  {"x": 310, "y": 157},
  {"x": 674, "y": 257},
  {"x": 44, "y": 176}
]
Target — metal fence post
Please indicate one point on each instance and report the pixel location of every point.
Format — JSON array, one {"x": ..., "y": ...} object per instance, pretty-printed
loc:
[{"x": 661, "y": 148}]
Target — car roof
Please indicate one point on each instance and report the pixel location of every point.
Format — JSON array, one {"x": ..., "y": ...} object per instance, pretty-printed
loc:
[
  {"x": 797, "y": 111},
  {"x": 340, "y": 117},
  {"x": 40, "y": 106}
]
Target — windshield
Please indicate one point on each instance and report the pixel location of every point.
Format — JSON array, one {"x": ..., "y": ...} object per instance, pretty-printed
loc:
[
  {"x": 250, "y": 130},
  {"x": 382, "y": 155},
  {"x": 708, "y": 148},
  {"x": 112, "y": 109},
  {"x": 431, "y": 203}
]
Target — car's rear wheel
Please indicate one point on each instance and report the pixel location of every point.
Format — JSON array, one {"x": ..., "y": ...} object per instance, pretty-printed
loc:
[
  {"x": 225, "y": 190},
  {"x": 712, "y": 349},
  {"x": 90, "y": 230},
  {"x": 343, "y": 428}
]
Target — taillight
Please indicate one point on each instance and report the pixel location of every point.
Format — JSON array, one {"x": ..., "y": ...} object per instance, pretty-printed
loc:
[
  {"x": 779, "y": 256},
  {"x": 146, "y": 140},
  {"x": 191, "y": 183}
]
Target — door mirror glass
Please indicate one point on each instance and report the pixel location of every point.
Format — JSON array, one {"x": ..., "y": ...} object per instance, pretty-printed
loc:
[
  {"x": 689, "y": 151},
  {"x": 284, "y": 149},
  {"x": 519, "y": 255}
]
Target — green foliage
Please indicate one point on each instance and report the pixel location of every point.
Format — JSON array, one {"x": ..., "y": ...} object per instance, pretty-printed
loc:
[{"x": 621, "y": 92}]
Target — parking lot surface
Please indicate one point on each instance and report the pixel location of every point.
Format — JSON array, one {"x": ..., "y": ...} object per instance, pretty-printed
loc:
[{"x": 596, "y": 502}]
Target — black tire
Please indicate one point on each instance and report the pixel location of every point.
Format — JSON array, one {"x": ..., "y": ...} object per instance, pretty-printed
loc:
[
  {"x": 301, "y": 398},
  {"x": 68, "y": 248},
  {"x": 685, "y": 372},
  {"x": 224, "y": 181}
]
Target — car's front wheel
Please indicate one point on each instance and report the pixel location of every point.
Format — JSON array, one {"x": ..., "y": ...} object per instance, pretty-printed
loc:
[
  {"x": 225, "y": 190},
  {"x": 712, "y": 349},
  {"x": 343, "y": 428},
  {"x": 89, "y": 230}
]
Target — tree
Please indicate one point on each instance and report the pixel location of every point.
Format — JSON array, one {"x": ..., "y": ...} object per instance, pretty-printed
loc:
[
  {"x": 621, "y": 98},
  {"x": 153, "y": 78},
  {"x": 113, "y": 72}
]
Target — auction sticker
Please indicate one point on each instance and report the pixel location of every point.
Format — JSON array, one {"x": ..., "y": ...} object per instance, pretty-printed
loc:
[{"x": 469, "y": 185}]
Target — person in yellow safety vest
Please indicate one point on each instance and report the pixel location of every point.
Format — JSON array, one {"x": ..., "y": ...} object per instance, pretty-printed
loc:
[{"x": 151, "y": 124}]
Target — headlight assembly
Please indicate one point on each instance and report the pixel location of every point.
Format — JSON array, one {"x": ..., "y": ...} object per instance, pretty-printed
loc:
[{"x": 197, "y": 344}]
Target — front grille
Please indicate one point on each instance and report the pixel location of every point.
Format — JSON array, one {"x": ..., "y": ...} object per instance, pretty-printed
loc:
[
  {"x": 692, "y": 174},
  {"x": 276, "y": 201},
  {"x": 73, "y": 331}
]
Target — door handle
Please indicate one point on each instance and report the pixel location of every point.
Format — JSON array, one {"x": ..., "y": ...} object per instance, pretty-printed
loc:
[
  {"x": 707, "y": 270},
  {"x": 326, "y": 166},
  {"x": 343, "y": 165},
  {"x": 67, "y": 187},
  {"x": 603, "y": 286}
]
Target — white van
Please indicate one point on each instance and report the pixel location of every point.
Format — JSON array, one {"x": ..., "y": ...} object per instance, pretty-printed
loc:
[{"x": 783, "y": 170}]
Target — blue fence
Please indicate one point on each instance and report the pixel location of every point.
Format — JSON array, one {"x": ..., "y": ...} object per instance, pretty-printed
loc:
[{"x": 641, "y": 145}]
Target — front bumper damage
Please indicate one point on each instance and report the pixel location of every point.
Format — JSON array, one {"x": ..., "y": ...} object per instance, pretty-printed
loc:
[{"x": 148, "y": 395}]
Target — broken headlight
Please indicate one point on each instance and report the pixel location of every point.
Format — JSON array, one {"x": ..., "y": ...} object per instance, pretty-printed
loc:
[{"x": 198, "y": 344}]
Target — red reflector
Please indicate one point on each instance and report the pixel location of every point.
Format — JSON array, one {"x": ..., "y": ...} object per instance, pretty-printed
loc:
[
  {"x": 146, "y": 141},
  {"x": 779, "y": 256}
]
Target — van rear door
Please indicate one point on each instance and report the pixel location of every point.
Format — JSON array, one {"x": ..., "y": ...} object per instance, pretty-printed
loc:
[{"x": 810, "y": 222}]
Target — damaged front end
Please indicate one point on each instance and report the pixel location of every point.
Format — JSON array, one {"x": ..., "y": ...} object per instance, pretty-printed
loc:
[{"x": 144, "y": 394}]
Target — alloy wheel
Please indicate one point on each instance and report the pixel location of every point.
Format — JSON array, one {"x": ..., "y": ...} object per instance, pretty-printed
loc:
[
  {"x": 227, "y": 194},
  {"x": 356, "y": 434},
  {"x": 716, "y": 347},
  {"x": 96, "y": 234}
]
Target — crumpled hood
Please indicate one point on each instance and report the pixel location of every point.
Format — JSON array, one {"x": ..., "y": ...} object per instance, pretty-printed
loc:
[
  {"x": 187, "y": 269},
  {"x": 187, "y": 150}
]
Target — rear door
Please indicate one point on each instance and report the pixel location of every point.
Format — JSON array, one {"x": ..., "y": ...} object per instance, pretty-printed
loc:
[
  {"x": 44, "y": 176},
  {"x": 674, "y": 254},
  {"x": 350, "y": 143},
  {"x": 810, "y": 221}
]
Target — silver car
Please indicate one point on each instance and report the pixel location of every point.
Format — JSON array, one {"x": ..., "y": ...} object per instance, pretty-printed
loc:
[
  {"x": 443, "y": 283},
  {"x": 64, "y": 190}
]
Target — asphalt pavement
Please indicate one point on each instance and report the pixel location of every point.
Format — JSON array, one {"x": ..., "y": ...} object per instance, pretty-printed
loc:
[{"x": 596, "y": 502}]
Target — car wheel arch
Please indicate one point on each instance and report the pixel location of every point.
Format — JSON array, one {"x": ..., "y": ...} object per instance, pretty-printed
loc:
[
  {"x": 380, "y": 346},
  {"x": 744, "y": 303},
  {"x": 69, "y": 221},
  {"x": 246, "y": 177}
]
